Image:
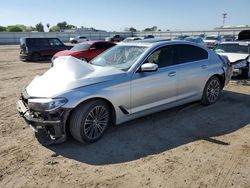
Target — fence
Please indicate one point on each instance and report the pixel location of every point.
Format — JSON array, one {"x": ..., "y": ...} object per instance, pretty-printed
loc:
[{"x": 13, "y": 37}]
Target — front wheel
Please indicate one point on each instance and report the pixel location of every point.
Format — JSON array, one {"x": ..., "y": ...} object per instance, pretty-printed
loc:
[
  {"x": 89, "y": 121},
  {"x": 212, "y": 91}
]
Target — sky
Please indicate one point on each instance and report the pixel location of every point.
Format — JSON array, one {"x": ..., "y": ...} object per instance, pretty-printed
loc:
[{"x": 115, "y": 15}]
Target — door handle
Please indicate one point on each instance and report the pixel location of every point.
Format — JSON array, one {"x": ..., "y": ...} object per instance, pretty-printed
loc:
[
  {"x": 171, "y": 74},
  {"x": 203, "y": 66}
]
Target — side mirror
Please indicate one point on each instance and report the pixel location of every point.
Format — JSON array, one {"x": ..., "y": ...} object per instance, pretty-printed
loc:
[
  {"x": 92, "y": 48},
  {"x": 148, "y": 67}
]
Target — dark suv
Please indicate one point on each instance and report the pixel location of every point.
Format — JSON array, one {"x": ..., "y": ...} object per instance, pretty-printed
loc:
[{"x": 36, "y": 49}]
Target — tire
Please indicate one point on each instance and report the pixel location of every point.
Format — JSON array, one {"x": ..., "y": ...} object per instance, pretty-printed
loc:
[
  {"x": 89, "y": 121},
  {"x": 212, "y": 91},
  {"x": 35, "y": 57},
  {"x": 245, "y": 73}
]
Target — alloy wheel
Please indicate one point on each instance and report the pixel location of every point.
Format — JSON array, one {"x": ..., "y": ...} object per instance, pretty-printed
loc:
[
  {"x": 213, "y": 90},
  {"x": 96, "y": 122}
]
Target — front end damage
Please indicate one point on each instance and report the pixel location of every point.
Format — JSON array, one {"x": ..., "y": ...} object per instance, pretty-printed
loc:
[{"x": 49, "y": 127}]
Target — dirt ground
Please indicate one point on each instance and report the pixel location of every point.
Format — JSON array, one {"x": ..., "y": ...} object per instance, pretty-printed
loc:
[{"x": 189, "y": 146}]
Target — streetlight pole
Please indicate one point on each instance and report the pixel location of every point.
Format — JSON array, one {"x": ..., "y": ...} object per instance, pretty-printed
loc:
[{"x": 224, "y": 16}]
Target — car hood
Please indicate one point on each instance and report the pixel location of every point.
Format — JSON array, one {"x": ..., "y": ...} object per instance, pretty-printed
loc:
[
  {"x": 235, "y": 56},
  {"x": 69, "y": 73}
]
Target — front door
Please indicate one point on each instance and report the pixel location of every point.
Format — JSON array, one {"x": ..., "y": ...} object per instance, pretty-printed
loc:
[{"x": 151, "y": 89}]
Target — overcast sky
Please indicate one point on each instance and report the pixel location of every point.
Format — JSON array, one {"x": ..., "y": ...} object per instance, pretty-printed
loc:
[{"x": 113, "y": 15}]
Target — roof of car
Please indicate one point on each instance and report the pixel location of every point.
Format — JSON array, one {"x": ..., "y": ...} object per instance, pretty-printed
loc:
[
  {"x": 153, "y": 40},
  {"x": 157, "y": 42}
]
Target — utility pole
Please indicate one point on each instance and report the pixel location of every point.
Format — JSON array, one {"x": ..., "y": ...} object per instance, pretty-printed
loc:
[{"x": 224, "y": 16}]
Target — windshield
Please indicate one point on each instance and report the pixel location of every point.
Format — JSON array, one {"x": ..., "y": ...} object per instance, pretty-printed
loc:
[
  {"x": 80, "y": 47},
  {"x": 232, "y": 48},
  {"x": 122, "y": 57}
]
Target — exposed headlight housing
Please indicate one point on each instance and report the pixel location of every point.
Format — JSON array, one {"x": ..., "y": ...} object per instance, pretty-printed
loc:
[
  {"x": 240, "y": 64},
  {"x": 46, "y": 104}
]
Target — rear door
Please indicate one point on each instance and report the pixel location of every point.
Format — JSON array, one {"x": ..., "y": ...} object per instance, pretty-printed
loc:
[
  {"x": 42, "y": 46},
  {"x": 193, "y": 68}
]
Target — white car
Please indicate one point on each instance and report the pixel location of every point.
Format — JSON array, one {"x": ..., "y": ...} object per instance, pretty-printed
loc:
[
  {"x": 238, "y": 54},
  {"x": 212, "y": 41},
  {"x": 78, "y": 39},
  {"x": 130, "y": 39}
]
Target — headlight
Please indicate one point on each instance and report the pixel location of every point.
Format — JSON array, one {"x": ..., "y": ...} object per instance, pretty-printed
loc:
[
  {"x": 43, "y": 104},
  {"x": 240, "y": 64}
]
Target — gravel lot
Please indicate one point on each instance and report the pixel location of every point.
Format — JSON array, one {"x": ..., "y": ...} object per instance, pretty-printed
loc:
[{"x": 189, "y": 146}]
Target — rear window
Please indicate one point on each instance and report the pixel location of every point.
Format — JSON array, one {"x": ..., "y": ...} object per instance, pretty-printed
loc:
[
  {"x": 37, "y": 42},
  {"x": 232, "y": 48}
]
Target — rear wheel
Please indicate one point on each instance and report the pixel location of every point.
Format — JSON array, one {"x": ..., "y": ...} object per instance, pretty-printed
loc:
[
  {"x": 212, "y": 91},
  {"x": 89, "y": 121}
]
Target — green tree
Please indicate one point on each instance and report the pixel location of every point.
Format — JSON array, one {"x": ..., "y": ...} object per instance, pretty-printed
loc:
[
  {"x": 132, "y": 29},
  {"x": 39, "y": 27},
  {"x": 54, "y": 28},
  {"x": 62, "y": 25},
  {"x": 2, "y": 28},
  {"x": 148, "y": 29},
  {"x": 30, "y": 29},
  {"x": 154, "y": 28},
  {"x": 14, "y": 28}
]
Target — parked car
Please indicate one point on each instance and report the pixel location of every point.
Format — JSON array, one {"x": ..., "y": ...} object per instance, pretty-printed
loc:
[
  {"x": 130, "y": 39},
  {"x": 149, "y": 37},
  {"x": 85, "y": 51},
  {"x": 212, "y": 41},
  {"x": 181, "y": 37},
  {"x": 228, "y": 38},
  {"x": 78, "y": 39},
  {"x": 36, "y": 49},
  {"x": 197, "y": 40},
  {"x": 114, "y": 38},
  {"x": 238, "y": 53},
  {"x": 244, "y": 35},
  {"x": 127, "y": 81}
]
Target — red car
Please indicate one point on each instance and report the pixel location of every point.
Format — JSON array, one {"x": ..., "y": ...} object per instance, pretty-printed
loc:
[{"x": 86, "y": 50}]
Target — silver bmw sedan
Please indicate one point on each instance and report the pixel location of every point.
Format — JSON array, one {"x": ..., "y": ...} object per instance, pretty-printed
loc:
[{"x": 128, "y": 81}]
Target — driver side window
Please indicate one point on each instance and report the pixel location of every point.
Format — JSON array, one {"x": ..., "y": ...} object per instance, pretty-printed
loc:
[{"x": 163, "y": 57}]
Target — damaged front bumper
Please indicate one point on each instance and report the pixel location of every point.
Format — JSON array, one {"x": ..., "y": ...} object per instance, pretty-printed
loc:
[{"x": 49, "y": 127}]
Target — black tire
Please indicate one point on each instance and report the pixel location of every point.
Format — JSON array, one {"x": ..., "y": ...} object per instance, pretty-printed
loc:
[
  {"x": 212, "y": 91},
  {"x": 245, "y": 73},
  {"x": 84, "y": 124},
  {"x": 35, "y": 57}
]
